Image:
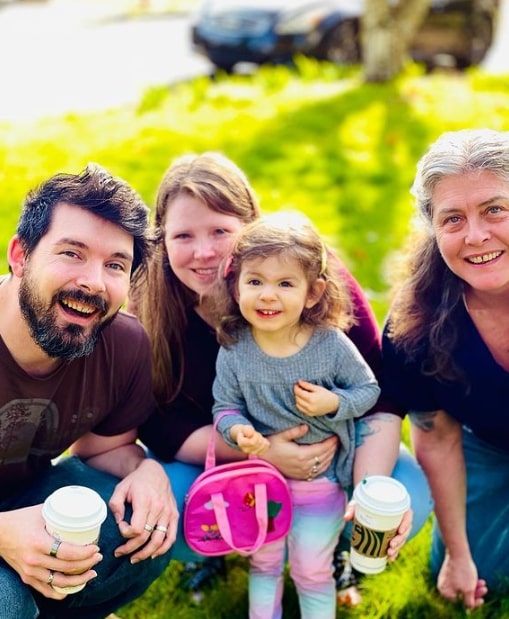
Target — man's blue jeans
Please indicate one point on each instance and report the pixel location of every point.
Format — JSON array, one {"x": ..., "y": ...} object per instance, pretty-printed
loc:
[{"x": 117, "y": 583}]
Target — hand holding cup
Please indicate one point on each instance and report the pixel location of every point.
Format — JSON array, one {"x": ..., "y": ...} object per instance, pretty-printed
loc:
[
  {"x": 73, "y": 514},
  {"x": 380, "y": 504}
]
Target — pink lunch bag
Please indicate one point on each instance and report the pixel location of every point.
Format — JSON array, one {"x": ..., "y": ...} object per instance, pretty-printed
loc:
[{"x": 236, "y": 507}]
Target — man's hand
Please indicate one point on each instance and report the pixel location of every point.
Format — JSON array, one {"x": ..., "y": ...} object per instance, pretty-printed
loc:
[
  {"x": 155, "y": 516},
  {"x": 144, "y": 485},
  {"x": 26, "y": 546}
]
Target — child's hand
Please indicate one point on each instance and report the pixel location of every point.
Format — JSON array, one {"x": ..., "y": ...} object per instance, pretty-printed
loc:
[
  {"x": 313, "y": 400},
  {"x": 248, "y": 439}
]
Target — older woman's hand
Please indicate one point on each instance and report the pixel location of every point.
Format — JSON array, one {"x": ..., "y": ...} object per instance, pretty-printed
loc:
[
  {"x": 300, "y": 461},
  {"x": 399, "y": 540}
]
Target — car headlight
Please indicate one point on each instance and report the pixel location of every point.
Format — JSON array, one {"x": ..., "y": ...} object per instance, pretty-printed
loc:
[{"x": 301, "y": 23}]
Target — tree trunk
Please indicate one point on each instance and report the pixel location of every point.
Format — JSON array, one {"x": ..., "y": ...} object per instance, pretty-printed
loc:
[{"x": 387, "y": 31}]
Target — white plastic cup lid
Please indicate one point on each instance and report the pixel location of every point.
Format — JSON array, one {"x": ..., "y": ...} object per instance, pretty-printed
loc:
[
  {"x": 74, "y": 508},
  {"x": 382, "y": 495}
]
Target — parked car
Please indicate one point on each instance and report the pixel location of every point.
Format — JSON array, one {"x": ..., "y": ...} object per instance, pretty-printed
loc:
[{"x": 455, "y": 32}]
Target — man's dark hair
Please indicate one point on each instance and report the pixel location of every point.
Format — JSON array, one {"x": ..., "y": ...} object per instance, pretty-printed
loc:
[{"x": 96, "y": 191}]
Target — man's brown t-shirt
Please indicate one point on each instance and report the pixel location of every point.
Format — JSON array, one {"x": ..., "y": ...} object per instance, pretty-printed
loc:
[{"x": 109, "y": 392}]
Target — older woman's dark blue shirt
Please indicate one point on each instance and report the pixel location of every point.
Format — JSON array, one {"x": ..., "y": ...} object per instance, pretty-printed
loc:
[{"x": 480, "y": 401}]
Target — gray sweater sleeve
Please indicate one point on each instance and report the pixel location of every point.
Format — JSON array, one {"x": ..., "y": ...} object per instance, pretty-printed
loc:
[
  {"x": 228, "y": 398},
  {"x": 358, "y": 390}
]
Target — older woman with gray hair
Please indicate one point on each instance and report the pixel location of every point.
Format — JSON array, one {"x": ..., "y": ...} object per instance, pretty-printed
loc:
[{"x": 446, "y": 356}]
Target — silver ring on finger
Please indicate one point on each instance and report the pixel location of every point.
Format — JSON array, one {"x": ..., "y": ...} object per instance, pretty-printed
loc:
[
  {"x": 161, "y": 527},
  {"x": 54, "y": 547},
  {"x": 317, "y": 461},
  {"x": 314, "y": 470},
  {"x": 50, "y": 578},
  {"x": 148, "y": 528}
]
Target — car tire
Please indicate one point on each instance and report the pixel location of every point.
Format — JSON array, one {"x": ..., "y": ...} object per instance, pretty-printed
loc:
[
  {"x": 341, "y": 44},
  {"x": 482, "y": 38},
  {"x": 223, "y": 68}
]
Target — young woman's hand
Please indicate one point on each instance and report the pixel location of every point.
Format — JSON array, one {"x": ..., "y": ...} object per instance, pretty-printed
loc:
[{"x": 300, "y": 461}]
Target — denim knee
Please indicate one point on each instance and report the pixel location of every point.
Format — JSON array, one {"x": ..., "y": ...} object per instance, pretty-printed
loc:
[
  {"x": 410, "y": 474},
  {"x": 16, "y": 601},
  {"x": 181, "y": 476}
]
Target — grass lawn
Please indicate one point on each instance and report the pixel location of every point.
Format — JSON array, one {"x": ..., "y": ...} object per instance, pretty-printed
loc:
[{"x": 316, "y": 139}]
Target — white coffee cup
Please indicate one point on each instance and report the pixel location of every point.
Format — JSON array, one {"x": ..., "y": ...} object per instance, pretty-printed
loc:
[
  {"x": 74, "y": 514},
  {"x": 380, "y": 503}
]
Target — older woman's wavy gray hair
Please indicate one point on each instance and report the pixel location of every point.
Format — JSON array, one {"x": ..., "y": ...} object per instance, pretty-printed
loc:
[{"x": 459, "y": 152}]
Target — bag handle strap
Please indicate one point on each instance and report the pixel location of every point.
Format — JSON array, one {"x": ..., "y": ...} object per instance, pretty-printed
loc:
[
  {"x": 218, "y": 503},
  {"x": 210, "y": 459}
]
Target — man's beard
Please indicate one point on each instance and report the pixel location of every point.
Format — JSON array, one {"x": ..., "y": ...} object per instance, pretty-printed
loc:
[{"x": 68, "y": 342}]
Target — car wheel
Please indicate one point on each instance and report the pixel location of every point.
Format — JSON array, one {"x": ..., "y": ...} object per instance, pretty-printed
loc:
[
  {"x": 224, "y": 67},
  {"x": 341, "y": 45},
  {"x": 482, "y": 38}
]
